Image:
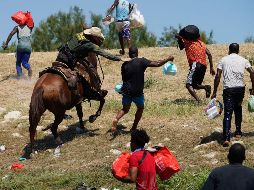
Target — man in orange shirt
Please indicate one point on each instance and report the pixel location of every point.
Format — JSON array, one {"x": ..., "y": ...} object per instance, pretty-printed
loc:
[{"x": 196, "y": 52}]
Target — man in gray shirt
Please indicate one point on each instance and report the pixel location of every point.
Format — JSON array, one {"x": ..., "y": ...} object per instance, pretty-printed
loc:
[{"x": 232, "y": 66}]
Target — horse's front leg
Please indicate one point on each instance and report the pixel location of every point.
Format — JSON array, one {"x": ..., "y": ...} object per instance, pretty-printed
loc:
[
  {"x": 58, "y": 119},
  {"x": 92, "y": 118},
  {"x": 80, "y": 115}
]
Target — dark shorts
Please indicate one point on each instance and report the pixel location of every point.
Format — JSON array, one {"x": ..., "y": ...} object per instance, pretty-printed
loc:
[
  {"x": 196, "y": 74},
  {"x": 139, "y": 100}
]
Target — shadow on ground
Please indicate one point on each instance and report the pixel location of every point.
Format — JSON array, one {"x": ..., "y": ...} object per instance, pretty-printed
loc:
[
  {"x": 11, "y": 76},
  {"x": 181, "y": 101},
  {"x": 67, "y": 135},
  {"x": 121, "y": 130},
  {"x": 215, "y": 136}
]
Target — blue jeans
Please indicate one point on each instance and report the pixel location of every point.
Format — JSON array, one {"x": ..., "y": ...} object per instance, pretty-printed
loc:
[
  {"x": 232, "y": 98},
  {"x": 22, "y": 58}
]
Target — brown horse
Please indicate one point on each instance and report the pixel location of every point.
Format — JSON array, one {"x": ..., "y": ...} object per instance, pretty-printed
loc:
[{"x": 51, "y": 92}]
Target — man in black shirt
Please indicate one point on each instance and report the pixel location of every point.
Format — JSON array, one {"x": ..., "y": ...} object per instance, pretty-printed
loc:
[
  {"x": 233, "y": 176},
  {"x": 133, "y": 85}
]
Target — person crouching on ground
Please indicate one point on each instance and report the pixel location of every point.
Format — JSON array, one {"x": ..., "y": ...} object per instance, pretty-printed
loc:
[
  {"x": 24, "y": 48},
  {"x": 196, "y": 52},
  {"x": 133, "y": 85},
  {"x": 232, "y": 66},
  {"x": 142, "y": 165}
]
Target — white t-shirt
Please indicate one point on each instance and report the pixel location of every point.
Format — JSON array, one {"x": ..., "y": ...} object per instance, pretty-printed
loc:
[{"x": 233, "y": 67}]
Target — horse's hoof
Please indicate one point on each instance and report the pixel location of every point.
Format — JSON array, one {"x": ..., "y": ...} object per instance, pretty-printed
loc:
[{"x": 92, "y": 118}]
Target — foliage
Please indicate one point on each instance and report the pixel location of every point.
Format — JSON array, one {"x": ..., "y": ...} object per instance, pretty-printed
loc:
[
  {"x": 208, "y": 39},
  {"x": 168, "y": 37},
  {"x": 142, "y": 38},
  {"x": 11, "y": 48},
  {"x": 57, "y": 29},
  {"x": 249, "y": 39},
  {"x": 111, "y": 39}
]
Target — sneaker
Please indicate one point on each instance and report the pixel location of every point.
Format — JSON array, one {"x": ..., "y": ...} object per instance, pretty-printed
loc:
[{"x": 208, "y": 90}]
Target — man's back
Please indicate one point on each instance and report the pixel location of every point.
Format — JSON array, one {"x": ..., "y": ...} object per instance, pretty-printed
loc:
[
  {"x": 233, "y": 67},
  {"x": 230, "y": 177},
  {"x": 146, "y": 179},
  {"x": 133, "y": 76}
]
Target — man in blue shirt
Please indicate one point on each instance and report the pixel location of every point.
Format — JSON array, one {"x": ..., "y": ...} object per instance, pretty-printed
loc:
[{"x": 123, "y": 9}]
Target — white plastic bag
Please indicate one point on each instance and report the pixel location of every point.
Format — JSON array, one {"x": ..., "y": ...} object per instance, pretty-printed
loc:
[
  {"x": 213, "y": 109},
  {"x": 108, "y": 20},
  {"x": 136, "y": 18}
]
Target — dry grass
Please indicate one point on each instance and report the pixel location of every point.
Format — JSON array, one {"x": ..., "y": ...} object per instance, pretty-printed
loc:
[{"x": 171, "y": 117}]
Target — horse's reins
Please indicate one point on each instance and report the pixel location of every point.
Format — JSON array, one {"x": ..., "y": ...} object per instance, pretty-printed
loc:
[{"x": 101, "y": 68}]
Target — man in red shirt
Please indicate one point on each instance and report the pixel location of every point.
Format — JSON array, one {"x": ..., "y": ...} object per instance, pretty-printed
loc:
[
  {"x": 142, "y": 165},
  {"x": 196, "y": 52}
]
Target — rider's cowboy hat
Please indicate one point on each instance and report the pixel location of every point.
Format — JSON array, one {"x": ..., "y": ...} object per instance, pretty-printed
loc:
[{"x": 94, "y": 31}]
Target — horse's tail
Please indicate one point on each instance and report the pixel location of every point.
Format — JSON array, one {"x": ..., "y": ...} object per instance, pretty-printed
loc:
[{"x": 36, "y": 107}]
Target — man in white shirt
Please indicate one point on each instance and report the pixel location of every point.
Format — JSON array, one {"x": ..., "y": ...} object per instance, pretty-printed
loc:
[{"x": 232, "y": 67}]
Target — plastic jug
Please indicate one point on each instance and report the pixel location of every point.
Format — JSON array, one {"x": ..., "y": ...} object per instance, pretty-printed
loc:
[
  {"x": 169, "y": 69},
  {"x": 118, "y": 87}
]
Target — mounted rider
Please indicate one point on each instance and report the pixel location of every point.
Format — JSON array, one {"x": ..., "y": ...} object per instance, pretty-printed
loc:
[{"x": 80, "y": 46}]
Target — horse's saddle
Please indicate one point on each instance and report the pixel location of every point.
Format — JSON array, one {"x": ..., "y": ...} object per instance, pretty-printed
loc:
[{"x": 73, "y": 76}]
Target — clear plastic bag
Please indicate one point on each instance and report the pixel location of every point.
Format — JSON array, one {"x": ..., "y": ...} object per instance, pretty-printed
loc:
[
  {"x": 136, "y": 18},
  {"x": 214, "y": 109}
]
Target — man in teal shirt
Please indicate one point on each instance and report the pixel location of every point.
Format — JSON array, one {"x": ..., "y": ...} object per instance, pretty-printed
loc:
[{"x": 123, "y": 9}]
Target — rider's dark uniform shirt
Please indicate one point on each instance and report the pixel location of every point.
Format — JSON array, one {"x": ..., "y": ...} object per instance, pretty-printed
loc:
[{"x": 81, "y": 46}]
